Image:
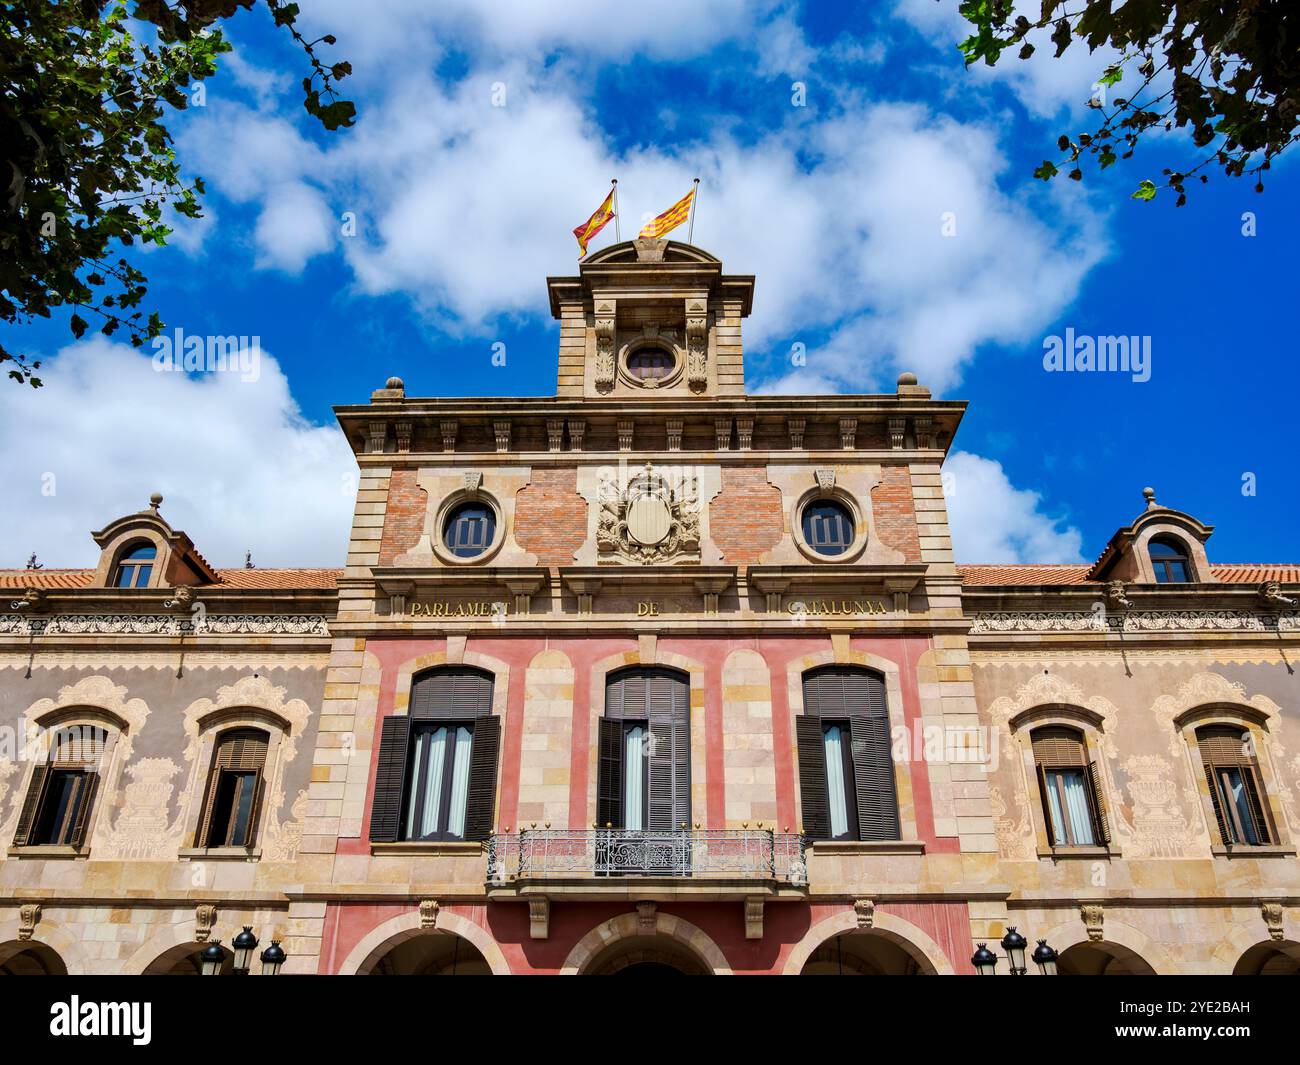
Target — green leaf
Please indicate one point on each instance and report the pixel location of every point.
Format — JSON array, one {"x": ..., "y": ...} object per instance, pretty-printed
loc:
[
  {"x": 1145, "y": 191},
  {"x": 78, "y": 326},
  {"x": 1047, "y": 171}
]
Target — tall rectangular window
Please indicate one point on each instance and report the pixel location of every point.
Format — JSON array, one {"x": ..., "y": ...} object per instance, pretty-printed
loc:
[
  {"x": 846, "y": 768},
  {"x": 232, "y": 798},
  {"x": 437, "y": 770},
  {"x": 56, "y": 809},
  {"x": 643, "y": 778},
  {"x": 1067, "y": 782},
  {"x": 1227, "y": 755}
]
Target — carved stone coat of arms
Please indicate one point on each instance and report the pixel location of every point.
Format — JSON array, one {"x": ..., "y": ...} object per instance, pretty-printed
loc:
[{"x": 654, "y": 518}]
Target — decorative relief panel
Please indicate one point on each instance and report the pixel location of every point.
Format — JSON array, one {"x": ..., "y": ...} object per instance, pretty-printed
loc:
[
  {"x": 653, "y": 518},
  {"x": 1135, "y": 621},
  {"x": 166, "y": 624}
]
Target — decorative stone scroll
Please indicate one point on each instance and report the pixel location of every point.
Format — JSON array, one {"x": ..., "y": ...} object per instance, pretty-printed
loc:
[
  {"x": 605, "y": 345},
  {"x": 697, "y": 324}
]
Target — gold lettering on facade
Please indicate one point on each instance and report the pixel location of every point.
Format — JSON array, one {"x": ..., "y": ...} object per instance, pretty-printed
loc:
[
  {"x": 647, "y": 610},
  {"x": 458, "y": 610},
  {"x": 847, "y": 608}
]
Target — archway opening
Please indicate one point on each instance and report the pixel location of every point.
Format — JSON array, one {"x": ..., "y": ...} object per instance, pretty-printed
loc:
[
  {"x": 648, "y": 955},
  {"x": 430, "y": 954},
  {"x": 1102, "y": 959},
  {"x": 864, "y": 954},
  {"x": 185, "y": 959},
  {"x": 30, "y": 959},
  {"x": 1274, "y": 958}
]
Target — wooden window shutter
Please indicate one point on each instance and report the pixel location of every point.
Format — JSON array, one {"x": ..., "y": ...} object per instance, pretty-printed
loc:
[
  {"x": 254, "y": 809},
  {"x": 1047, "y": 806},
  {"x": 1098, "y": 810},
  {"x": 813, "y": 801},
  {"x": 85, "y": 801},
  {"x": 390, "y": 779},
  {"x": 873, "y": 773},
  {"x": 609, "y": 774},
  {"x": 1250, "y": 782},
  {"x": 481, "y": 802},
  {"x": 1223, "y": 745},
  {"x": 1220, "y": 815},
  {"x": 451, "y": 695},
  {"x": 31, "y": 804},
  {"x": 667, "y": 706},
  {"x": 1058, "y": 747}
]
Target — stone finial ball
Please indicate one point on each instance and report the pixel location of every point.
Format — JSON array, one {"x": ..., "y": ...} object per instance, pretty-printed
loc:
[
  {"x": 907, "y": 378},
  {"x": 155, "y": 500},
  {"x": 1149, "y": 494},
  {"x": 395, "y": 382}
]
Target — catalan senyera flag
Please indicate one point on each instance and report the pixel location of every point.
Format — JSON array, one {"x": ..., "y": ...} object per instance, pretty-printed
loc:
[
  {"x": 594, "y": 224},
  {"x": 671, "y": 218}
]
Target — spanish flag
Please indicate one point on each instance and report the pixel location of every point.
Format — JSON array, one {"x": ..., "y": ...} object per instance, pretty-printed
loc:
[
  {"x": 671, "y": 218},
  {"x": 594, "y": 224}
]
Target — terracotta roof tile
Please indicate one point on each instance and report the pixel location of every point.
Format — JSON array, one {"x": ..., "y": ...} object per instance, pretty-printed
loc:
[
  {"x": 1069, "y": 573},
  {"x": 229, "y": 578}
]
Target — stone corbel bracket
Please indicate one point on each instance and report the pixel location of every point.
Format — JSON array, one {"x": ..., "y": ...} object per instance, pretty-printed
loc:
[{"x": 697, "y": 328}]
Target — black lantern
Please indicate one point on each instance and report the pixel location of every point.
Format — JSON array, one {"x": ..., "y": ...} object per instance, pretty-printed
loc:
[
  {"x": 243, "y": 945},
  {"x": 212, "y": 958},
  {"x": 1045, "y": 958},
  {"x": 1014, "y": 944},
  {"x": 984, "y": 960},
  {"x": 272, "y": 958}
]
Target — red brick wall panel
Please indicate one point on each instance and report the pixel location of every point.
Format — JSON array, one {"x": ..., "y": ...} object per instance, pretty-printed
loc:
[
  {"x": 746, "y": 519},
  {"x": 895, "y": 516},
  {"x": 551, "y": 517},
  {"x": 403, "y": 517}
]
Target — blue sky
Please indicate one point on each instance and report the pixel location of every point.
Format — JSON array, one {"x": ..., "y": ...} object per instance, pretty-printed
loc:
[{"x": 462, "y": 208}]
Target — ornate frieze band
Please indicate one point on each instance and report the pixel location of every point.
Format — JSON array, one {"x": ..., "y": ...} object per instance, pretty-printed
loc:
[
  {"x": 165, "y": 625},
  {"x": 1135, "y": 621}
]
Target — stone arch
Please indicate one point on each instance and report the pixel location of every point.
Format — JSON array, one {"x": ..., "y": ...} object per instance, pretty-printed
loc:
[
  {"x": 694, "y": 670},
  {"x": 629, "y": 926},
  {"x": 1241, "y": 937},
  {"x": 396, "y": 930},
  {"x": 841, "y": 654},
  {"x": 56, "y": 938},
  {"x": 267, "y": 924},
  {"x": 1210, "y": 698},
  {"x": 1281, "y": 956},
  {"x": 406, "y": 672},
  {"x": 903, "y": 933},
  {"x": 1128, "y": 939}
]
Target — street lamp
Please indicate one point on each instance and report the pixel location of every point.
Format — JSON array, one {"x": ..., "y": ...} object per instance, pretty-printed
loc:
[
  {"x": 243, "y": 945},
  {"x": 212, "y": 958},
  {"x": 1014, "y": 944},
  {"x": 272, "y": 958},
  {"x": 984, "y": 960},
  {"x": 1045, "y": 958}
]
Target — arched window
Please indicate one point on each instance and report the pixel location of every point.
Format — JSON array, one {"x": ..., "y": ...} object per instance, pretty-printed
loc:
[
  {"x": 1227, "y": 755},
  {"x": 438, "y": 763},
  {"x": 469, "y": 530},
  {"x": 1068, "y": 784},
  {"x": 233, "y": 797},
  {"x": 56, "y": 809},
  {"x": 1169, "y": 558},
  {"x": 846, "y": 768},
  {"x": 644, "y": 777},
  {"x": 135, "y": 566}
]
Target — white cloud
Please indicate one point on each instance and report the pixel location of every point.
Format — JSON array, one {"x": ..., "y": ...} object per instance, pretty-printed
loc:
[
  {"x": 238, "y": 465},
  {"x": 993, "y": 521},
  {"x": 465, "y": 207}
]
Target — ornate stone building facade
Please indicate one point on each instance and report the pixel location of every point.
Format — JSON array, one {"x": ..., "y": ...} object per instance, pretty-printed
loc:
[{"x": 651, "y": 674}]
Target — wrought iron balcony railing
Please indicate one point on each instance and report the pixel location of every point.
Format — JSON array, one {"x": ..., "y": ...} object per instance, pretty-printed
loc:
[{"x": 702, "y": 854}]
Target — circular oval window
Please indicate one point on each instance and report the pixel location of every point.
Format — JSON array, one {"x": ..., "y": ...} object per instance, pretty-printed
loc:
[
  {"x": 469, "y": 530},
  {"x": 650, "y": 364},
  {"x": 828, "y": 527}
]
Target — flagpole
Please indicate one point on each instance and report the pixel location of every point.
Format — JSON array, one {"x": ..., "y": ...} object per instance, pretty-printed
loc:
[
  {"x": 617, "y": 236},
  {"x": 690, "y": 234}
]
